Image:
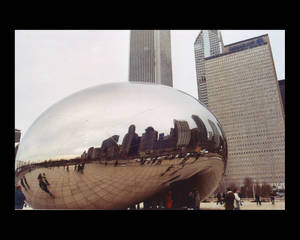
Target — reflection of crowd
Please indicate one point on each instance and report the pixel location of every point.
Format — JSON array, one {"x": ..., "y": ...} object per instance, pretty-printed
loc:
[
  {"x": 172, "y": 200},
  {"x": 43, "y": 183}
]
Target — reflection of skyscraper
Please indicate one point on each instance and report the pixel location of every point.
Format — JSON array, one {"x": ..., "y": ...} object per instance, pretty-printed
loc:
[
  {"x": 200, "y": 127},
  {"x": 148, "y": 140},
  {"x": 150, "y": 57},
  {"x": 183, "y": 132},
  {"x": 208, "y": 43},
  {"x": 216, "y": 134},
  {"x": 110, "y": 146},
  {"x": 130, "y": 141}
]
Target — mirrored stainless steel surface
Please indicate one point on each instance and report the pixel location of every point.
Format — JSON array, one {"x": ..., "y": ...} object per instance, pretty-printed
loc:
[{"x": 114, "y": 145}]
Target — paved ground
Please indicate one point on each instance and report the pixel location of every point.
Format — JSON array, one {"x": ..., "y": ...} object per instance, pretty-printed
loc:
[{"x": 247, "y": 205}]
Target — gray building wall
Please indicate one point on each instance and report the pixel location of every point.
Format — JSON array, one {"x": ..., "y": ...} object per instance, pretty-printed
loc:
[{"x": 150, "y": 57}]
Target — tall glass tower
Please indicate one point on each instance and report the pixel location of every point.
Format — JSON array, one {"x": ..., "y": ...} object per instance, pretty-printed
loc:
[
  {"x": 207, "y": 44},
  {"x": 150, "y": 57}
]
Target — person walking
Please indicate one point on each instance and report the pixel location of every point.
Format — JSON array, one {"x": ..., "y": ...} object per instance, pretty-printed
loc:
[
  {"x": 190, "y": 201},
  {"x": 197, "y": 200},
  {"x": 219, "y": 198},
  {"x": 236, "y": 200},
  {"x": 19, "y": 198},
  {"x": 223, "y": 198},
  {"x": 272, "y": 196},
  {"x": 257, "y": 199},
  {"x": 169, "y": 200},
  {"x": 229, "y": 200},
  {"x": 240, "y": 195}
]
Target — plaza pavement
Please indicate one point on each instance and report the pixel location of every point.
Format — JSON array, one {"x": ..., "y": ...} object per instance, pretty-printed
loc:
[{"x": 247, "y": 205}]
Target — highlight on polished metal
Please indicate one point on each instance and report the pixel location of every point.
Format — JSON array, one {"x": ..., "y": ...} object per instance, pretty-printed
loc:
[{"x": 115, "y": 145}]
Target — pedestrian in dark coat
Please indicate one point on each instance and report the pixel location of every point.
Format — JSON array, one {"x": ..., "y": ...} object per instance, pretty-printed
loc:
[
  {"x": 19, "y": 198},
  {"x": 229, "y": 200},
  {"x": 190, "y": 201},
  {"x": 257, "y": 199},
  {"x": 219, "y": 200}
]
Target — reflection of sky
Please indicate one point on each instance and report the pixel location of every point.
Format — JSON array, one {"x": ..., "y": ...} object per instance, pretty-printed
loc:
[{"x": 88, "y": 117}]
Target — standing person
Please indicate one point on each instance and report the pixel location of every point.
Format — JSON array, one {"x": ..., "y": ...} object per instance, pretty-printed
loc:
[
  {"x": 257, "y": 199},
  {"x": 272, "y": 198},
  {"x": 190, "y": 201},
  {"x": 236, "y": 200},
  {"x": 223, "y": 198},
  {"x": 169, "y": 200},
  {"x": 197, "y": 200},
  {"x": 229, "y": 200},
  {"x": 19, "y": 198},
  {"x": 219, "y": 200},
  {"x": 240, "y": 195},
  {"x": 45, "y": 179}
]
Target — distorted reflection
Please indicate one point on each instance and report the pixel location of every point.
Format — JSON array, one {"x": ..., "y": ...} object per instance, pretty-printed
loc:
[{"x": 124, "y": 146}]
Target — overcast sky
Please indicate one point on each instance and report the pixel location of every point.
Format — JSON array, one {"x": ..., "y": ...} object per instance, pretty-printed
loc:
[{"x": 52, "y": 64}]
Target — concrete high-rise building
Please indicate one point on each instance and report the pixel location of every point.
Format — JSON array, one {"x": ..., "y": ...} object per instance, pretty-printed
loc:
[
  {"x": 150, "y": 57},
  {"x": 17, "y": 135},
  {"x": 243, "y": 93},
  {"x": 208, "y": 43}
]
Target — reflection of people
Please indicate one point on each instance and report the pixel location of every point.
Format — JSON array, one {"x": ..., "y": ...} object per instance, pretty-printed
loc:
[
  {"x": 44, "y": 187},
  {"x": 40, "y": 177},
  {"x": 22, "y": 183},
  {"x": 45, "y": 179},
  {"x": 19, "y": 198},
  {"x": 229, "y": 200},
  {"x": 25, "y": 180}
]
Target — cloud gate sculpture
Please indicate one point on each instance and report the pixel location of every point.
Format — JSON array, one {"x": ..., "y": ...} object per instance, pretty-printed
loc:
[{"x": 115, "y": 145}]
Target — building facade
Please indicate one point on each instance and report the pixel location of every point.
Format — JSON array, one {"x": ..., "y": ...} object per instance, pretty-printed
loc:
[
  {"x": 208, "y": 43},
  {"x": 243, "y": 93},
  {"x": 150, "y": 57}
]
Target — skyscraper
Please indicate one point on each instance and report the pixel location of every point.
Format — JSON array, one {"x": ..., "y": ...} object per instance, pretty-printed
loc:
[
  {"x": 208, "y": 43},
  {"x": 150, "y": 57},
  {"x": 243, "y": 93}
]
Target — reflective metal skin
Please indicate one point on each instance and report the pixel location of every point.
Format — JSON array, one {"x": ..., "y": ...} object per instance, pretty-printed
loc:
[{"x": 114, "y": 145}]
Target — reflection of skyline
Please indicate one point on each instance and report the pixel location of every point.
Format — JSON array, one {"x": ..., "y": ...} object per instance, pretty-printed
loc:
[
  {"x": 152, "y": 142},
  {"x": 79, "y": 120},
  {"x": 180, "y": 140}
]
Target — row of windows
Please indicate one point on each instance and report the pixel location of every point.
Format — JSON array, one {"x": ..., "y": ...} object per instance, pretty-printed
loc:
[
  {"x": 257, "y": 151},
  {"x": 257, "y": 118},
  {"x": 269, "y": 135}
]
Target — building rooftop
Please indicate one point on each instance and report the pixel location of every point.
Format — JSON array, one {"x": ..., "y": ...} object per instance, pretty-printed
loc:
[{"x": 241, "y": 49}]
